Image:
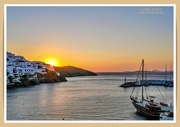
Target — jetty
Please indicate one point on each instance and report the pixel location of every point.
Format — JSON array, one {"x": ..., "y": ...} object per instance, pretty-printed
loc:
[{"x": 148, "y": 83}]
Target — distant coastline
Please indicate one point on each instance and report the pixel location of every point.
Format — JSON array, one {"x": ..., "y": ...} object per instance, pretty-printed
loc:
[{"x": 135, "y": 72}]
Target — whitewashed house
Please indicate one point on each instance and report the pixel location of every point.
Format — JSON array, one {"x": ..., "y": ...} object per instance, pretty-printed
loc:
[
  {"x": 10, "y": 70},
  {"x": 18, "y": 66}
]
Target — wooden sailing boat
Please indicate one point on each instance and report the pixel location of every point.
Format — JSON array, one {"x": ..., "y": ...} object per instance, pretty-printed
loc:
[{"x": 147, "y": 106}]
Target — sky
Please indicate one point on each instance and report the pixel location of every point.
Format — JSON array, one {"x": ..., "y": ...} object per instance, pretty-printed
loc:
[{"x": 96, "y": 38}]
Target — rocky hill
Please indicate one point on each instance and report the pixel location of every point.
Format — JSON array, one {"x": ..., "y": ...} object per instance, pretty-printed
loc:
[{"x": 71, "y": 71}]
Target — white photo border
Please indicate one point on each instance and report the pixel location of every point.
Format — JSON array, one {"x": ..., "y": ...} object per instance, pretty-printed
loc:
[{"x": 89, "y": 5}]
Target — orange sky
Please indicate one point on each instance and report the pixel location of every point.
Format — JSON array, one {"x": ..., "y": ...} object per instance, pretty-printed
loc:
[{"x": 108, "y": 39}]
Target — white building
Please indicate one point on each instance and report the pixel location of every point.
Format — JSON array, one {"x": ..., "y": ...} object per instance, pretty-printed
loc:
[
  {"x": 24, "y": 71},
  {"x": 18, "y": 66}
]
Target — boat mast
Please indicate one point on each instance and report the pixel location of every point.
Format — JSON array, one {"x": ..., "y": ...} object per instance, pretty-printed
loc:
[
  {"x": 165, "y": 72},
  {"x": 170, "y": 72},
  {"x": 142, "y": 79}
]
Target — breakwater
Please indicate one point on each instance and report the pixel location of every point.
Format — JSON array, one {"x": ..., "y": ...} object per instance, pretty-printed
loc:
[{"x": 147, "y": 83}]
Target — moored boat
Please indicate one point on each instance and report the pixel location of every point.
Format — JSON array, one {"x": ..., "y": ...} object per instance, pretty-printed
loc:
[
  {"x": 147, "y": 105},
  {"x": 166, "y": 116}
]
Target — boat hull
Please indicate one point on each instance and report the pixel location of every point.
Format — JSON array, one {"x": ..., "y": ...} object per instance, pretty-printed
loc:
[{"x": 146, "y": 111}]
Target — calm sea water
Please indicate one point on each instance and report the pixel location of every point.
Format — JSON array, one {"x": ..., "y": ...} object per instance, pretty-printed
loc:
[{"x": 81, "y": 98}]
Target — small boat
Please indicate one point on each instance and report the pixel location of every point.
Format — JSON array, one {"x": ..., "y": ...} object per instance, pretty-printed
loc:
[
  {"x": 147, "y": 105},
  {"x": 163, "y": 103},
  {"x": 166, "y": 116}
]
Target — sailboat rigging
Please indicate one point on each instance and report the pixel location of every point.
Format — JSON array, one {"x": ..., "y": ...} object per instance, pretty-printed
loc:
[{"x": 147, "y": 106}]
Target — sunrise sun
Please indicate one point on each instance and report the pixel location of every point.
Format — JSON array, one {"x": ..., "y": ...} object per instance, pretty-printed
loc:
[{"x": 52, "y": 62}]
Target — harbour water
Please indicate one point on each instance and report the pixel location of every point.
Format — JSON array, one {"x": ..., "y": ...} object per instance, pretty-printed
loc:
[{"x": 81, "y": 98}]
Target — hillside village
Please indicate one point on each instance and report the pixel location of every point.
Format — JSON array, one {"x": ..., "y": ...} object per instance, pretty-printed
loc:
[{"x": 22, "y": 72}]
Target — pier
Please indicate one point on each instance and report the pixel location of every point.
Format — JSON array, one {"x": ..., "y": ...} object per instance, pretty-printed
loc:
[{"x": 148, "y": 83}]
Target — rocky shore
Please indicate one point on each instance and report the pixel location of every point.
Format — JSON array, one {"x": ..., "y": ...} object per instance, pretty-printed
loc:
[{"x": 50, "y": 77}]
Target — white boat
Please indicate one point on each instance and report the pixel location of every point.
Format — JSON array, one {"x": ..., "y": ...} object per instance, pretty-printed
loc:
[{"x": 166, "y": 116}]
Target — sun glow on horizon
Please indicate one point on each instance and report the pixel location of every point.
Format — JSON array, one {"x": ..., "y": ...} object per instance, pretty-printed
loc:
[{"x": 52, "y": 62}]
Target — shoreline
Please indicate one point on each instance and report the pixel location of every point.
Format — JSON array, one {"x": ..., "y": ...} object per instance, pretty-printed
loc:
[
  {"x": 28, "y": 82},
  {"x": 40, "y": 81}
]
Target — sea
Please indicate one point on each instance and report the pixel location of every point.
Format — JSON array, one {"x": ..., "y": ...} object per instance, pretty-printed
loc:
[{"x": 86, "y": 98}]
